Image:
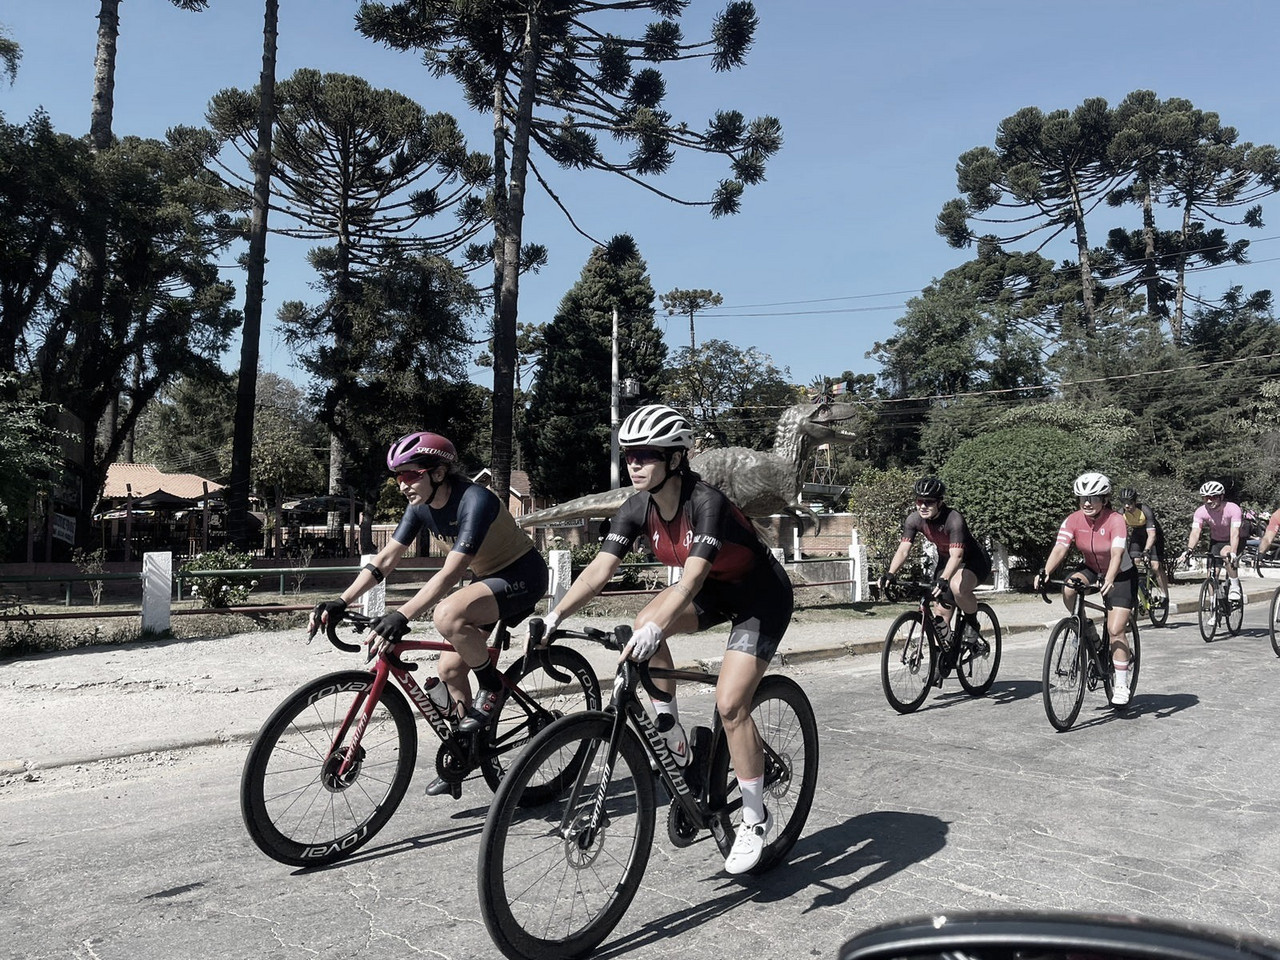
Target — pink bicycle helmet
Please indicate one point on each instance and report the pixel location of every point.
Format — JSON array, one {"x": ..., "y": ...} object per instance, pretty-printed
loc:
[{"x": 421, "y": 449}]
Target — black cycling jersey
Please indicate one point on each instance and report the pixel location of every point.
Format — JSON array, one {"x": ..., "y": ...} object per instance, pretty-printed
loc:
[{"x": 945, "y": 531}]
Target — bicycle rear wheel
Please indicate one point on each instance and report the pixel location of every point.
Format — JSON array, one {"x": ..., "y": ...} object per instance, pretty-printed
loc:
[
  {"x": 1274, "y": 622},
  {"x": 518, "y": 722},
  {"x": 553, "y": 881},
  {"x": 980, "y": 659},
  {"x": 295, "y": 805},
  {"x": 1065, "y": 669},
  {"x": 1208, "y": 610},
  {"x": 789, "y": 731},
  {"x": 906, "y": 663}
]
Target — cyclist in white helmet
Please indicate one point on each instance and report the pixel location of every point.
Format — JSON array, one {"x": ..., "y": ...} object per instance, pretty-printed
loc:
[
  {"x": 1102, "y": 537},
  {"x": 729, "y": 575},
  {"x": 1223, "y": 518}
]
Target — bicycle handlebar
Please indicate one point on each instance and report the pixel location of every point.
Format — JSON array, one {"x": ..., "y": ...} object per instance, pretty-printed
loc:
[
  {"x": 1078, "y": 585},
  {"x": 616, "y": 639},
  {"x": 359, "y": 622}
]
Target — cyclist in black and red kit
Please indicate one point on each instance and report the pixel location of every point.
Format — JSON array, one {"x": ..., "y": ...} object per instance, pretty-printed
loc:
[
  {"x": 728, "y": 575},
  {"x": 962, "y": 562}
]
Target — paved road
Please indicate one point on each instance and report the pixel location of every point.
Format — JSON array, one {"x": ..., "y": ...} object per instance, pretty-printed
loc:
[{"x": 1169, "y": 810}]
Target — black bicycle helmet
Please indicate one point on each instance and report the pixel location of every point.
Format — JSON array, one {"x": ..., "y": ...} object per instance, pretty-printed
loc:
[
  {"x": 1128, "y": 495},
  {"x": 931, "y": 488}
]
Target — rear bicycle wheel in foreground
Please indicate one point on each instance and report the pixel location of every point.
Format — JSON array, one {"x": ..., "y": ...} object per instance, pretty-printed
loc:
[
  {"x": 553, "y": 886},
  {"x": 296, "y": 806}
]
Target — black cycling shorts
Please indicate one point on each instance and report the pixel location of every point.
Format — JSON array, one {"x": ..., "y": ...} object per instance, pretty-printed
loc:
[
  {"x": 759, "y": 608},
  {"x": 1123, "y": 591}
]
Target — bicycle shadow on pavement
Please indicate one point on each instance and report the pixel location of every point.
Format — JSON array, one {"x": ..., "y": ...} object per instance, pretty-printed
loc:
[
  {"x": 1157, "y": 705},
  {"x": 402, "y": 845},
  {"x": 1011, "y": 691},
  {"x": 838, "y": 860}
]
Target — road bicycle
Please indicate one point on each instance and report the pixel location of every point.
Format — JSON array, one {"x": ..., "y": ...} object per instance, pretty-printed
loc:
[
  {"x": 1150, "y": 602},
  {"x": 558, "y": 872},
  {"x": 1071, "y": 666},
  {"x": 1217, "y": 607},
  {"x": 914, "y": 659},
  {"x": 333, "y": 761}
]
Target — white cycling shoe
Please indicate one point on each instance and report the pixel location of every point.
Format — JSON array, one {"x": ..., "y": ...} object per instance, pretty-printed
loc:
[
  {"x": 749, "y": 844},
  {"x": 1119, "y": 696}
]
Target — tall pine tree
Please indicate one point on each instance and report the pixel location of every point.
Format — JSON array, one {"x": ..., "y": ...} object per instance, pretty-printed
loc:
[{"x": 568, "y": 437}]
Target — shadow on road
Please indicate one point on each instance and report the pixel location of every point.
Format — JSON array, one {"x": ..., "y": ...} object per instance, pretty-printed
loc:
[
  {"x": 423, "y": 841},
  {"x": 837, "y": 861}
]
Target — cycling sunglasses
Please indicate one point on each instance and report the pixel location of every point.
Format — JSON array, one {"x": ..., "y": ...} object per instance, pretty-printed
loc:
[
  {"x": 409, "y": 477},
  {"x": 643, "y": 455}
]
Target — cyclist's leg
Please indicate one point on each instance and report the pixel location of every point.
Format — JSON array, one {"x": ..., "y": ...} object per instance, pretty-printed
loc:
[
  {"x": 1084, "y": 576},
  {"x": 464, "y": 618},
  {"x": 1120, "y": 602}
]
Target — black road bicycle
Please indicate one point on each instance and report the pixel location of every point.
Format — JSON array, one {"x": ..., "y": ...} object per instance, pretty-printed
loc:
[
  {"x": 1217, "y": 607},
  {"x": 557, "y": 873},
  {"x": 1149, "y": 602},
  {"x": 1078, "y": 657},
  {"x": 914, "y": 659},
  {"x": 333, "y": 761}
]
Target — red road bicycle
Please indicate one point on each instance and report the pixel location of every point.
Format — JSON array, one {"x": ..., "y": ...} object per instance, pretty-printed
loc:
[{"x": 333, "y": 761}]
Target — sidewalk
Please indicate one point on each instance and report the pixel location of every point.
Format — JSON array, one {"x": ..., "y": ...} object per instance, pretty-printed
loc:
[{"x": 143, "y": 700}]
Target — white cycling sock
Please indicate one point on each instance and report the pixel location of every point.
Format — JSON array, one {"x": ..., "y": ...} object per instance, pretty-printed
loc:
[
  {"x": 752, "y": 799},
  {"x": 1122, "y": 676},
  {"x": 660, "y": 707}
]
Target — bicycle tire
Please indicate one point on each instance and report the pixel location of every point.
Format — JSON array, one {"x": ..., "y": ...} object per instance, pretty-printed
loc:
[
  {"x": 517, "y": 725},
  {"x": 978, "y": 664},
  {"x": 1066, "y": 664},
  {"x": 1208, "y": 611},
  {"x": 1157, "y": 605},
  {"x": 1235, "y": 614},
  {"x": 784, "y": 717},
  {"x": 906, "y": 663},
  {"x": 545, "y": 896},
  {"x": 1135, "y": 655},
  {"x": 294, "y": 808},
  {"x": 1274, "y": 622}
]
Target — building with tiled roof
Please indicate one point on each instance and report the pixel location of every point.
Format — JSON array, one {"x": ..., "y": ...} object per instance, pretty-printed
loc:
[{"x": 144, "y": 479}]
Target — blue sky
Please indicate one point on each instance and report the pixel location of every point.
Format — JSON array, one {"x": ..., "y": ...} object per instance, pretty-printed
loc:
[{"x": 877, "y": 102}]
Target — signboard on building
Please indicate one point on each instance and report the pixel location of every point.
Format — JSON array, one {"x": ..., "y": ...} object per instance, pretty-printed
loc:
[{"x": 64, "y": 528}]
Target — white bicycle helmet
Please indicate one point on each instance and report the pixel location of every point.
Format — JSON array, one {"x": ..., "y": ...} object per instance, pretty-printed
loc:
[
  {"x": 656, "y": 425},
  {"x": 1092, "y": 485},
  {"x": 1212, "y": 488}
]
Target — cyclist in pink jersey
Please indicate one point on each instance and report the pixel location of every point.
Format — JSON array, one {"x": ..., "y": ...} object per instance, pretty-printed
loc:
[
  {"x": 1223, "y": 518},
  {"x": 1102, "y": 536},
  {"x": 1269, "y": 534}
]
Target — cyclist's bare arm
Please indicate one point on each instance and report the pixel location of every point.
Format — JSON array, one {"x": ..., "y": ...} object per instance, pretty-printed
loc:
[
  {"x": 899, "y": 557},
  {"x": 677, "y": 598},
  {"x": 1051, "y": 564},
  {"x": 386, "y": 561}
]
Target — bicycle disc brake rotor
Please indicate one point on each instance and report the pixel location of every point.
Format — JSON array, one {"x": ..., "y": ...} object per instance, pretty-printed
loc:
[
  {"x": 449, "y": 768},
  {"x": 777, "y": 779},
  {"x": 332, "y": 779},
  {"x": 584, "y": 843}
]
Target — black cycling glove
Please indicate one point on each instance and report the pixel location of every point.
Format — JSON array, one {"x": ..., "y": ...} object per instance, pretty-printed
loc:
[
  {"x": 333, "y": 610},
  {"x": 390, "y": 626}
]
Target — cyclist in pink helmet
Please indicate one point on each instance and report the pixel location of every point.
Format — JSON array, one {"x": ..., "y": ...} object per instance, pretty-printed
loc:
[{"x": 510, "y": 576}]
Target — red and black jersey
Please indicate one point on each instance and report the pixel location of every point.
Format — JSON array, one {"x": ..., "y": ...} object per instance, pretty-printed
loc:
[{"x": 706, "y": 525}]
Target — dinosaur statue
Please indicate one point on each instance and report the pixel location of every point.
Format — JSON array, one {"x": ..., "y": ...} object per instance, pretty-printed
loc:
[{"x": 762, "y": 483}]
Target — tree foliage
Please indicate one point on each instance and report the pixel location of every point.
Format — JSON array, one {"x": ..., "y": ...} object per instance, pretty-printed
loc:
[
  {"x": 733, "y": 395},
  {"x": 568, "y": 435},
  {"x": 561, "y": 84}
]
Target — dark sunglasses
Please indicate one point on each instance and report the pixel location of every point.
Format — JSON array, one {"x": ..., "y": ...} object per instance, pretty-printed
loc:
[
  {"x": 409, "y": 476},
  {"x": 1092, "y": 498},
  {"x": 926, "y": 503},
  {"x": 642, "y": 456}
]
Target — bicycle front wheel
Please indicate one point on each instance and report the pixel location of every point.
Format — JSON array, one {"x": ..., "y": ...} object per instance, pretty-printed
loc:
[
  {"x": 1274, "y": 622},
  {"x": 980, "y": 659},
  {"x": 906, "y": 663},
  {"x": 298, "y": 805},
  {"x": 555, "y": 877},
  {"x": 1208, "y": 610},
  {"x": 519, "y": 720},
  {"x": 1158, "y": 606},
  {"x": 784, "y": 717},
  {"x": 1065, "y": 669},
  {"x": 1235, "y": 614}
]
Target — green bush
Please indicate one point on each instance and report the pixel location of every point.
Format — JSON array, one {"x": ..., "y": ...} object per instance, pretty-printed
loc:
[
  {"x": 1014, "y": 485},
  {"x": 628, "y": 578},
  {"x": 220, "y": 591},
  {"x": 879, "y": 501}
]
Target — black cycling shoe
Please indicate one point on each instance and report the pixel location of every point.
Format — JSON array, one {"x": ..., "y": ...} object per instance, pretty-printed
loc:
[
  {"x": 482, "y": 711},
  {"x": 440, "y": 786}
]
